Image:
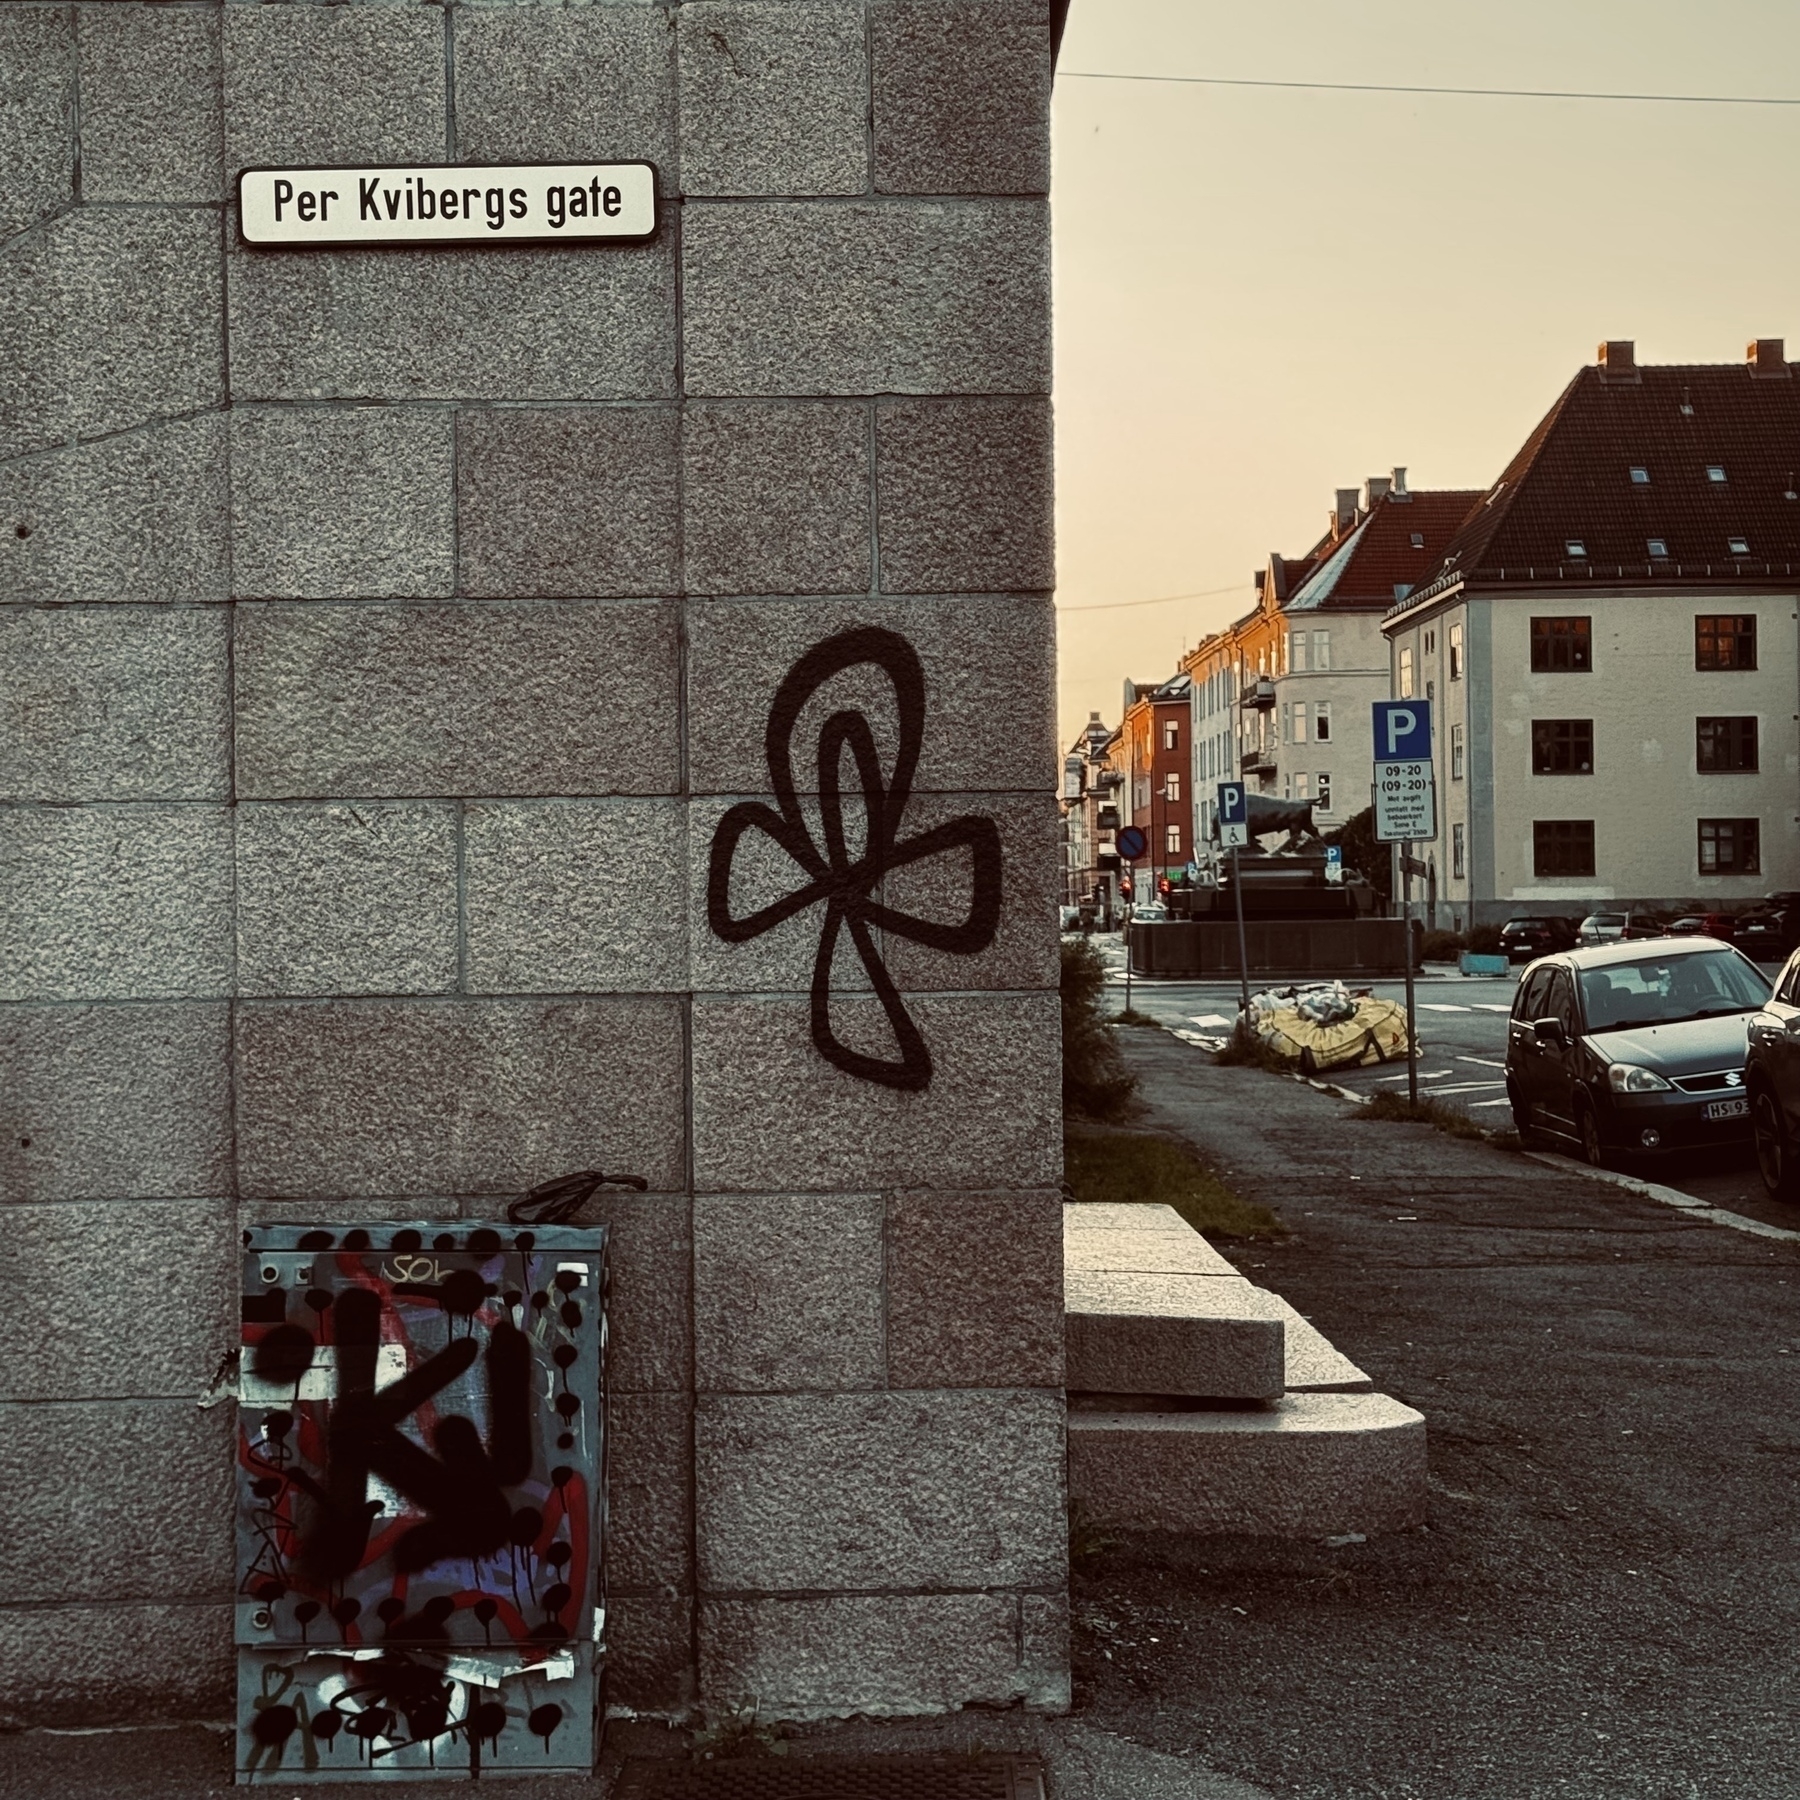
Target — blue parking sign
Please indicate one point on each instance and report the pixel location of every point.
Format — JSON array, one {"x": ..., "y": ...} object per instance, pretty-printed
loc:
[
  {"x": 1233, "y": 808},
  {"x": 1402, "y": 730}
]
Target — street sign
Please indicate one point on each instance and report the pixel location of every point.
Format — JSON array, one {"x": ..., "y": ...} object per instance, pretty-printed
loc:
[
  {"x": 1133, "y": 843},
  {"x": 1405, "y": 783},
  {"x": 1234, "y": 815},
  {"x": 1334, "y": 862},
  {"x": 451, "y": 203}
]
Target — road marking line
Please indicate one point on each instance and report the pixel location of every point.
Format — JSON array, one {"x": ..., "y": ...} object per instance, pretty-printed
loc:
[
  {"x": 1491, "y": 1006},
  {"x": 1424, "y": 1075},
  {"x": 1668, "y": 1196},
  {"x": 1210, "y": 1019},
  {"x": 1467, "y": 1087},
  {"x": 1440, "y": 1006},
  {"x": 1473, "y": 1104},
  {"x": 1487, "y": 1062}
]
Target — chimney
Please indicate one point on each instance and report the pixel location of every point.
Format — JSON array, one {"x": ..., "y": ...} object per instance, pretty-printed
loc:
[
  {"x": 1618, "y": 360},
  {"x": 1345, "y": 514},
  {"x": 1768, "y": 356},
  {"x": 1398, "y": 490},
  {"x": 1377, "y": 486}
]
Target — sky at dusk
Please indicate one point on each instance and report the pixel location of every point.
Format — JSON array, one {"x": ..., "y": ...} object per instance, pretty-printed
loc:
[{"x": 1263, "y": 295}]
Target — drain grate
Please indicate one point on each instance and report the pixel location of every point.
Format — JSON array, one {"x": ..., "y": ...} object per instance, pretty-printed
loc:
[{"x": 830, "y": 1778}]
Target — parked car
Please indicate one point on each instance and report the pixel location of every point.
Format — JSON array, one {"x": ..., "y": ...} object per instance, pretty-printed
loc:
[
  {"x": 1713, "y": 925},
  {"x": 1523, "y": 938},
  {"x": 1628, "y": 1049},
  {"x": 1772, "y": 1075},
  {"x": 1149, "y": 912},
  {"x": 1761, "y": 935}
]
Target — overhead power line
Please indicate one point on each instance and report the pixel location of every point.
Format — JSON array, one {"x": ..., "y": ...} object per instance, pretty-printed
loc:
[
  {"x": 1389, "y": 87},
  {"x": 1237, "y": 587}
]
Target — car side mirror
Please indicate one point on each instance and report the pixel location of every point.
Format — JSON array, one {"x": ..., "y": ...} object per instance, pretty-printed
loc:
[{"x": 1549, "y": 1031}]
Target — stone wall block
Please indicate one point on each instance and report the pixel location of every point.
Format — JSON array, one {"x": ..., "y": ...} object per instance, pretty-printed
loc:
[
  {"x": 941, "y": 889},
  {"x": 115, "y": 1300},
  {"x": 812, "y": 1491},
  {"x": 346, "y": 899},
  {"x": 573, "y": 698},
  {"x": 103, "y": 1101},
  {"x": 777, "y": 499},
  {"x": 37, "y": 114},
  {"x": 576, "y": 896},
  {"x": 150, "y": 104},
  {"x": 135, "y": 518},
  {"x": 109, "y": 320},
  {"x": 324, "y": 85},
  {"x": 975, "y": 1290},
  {"x": 967, "y": 496},
  {"x": 590, "y": 84},
  {"x": 650, "y": 1305},
  {"x": 990, "y": 672},
  {"x": 911, "y": 297},
  {"x": 787, "y": 1292},
  {"x": 456, "y": 1097},
  {"x": 149, "y": 1518},
  {"x": 584, "y": 503},
  {"x": 648, "y": 1459},
  {"x": 844, "y": 1655},
  {"x": 770, "y": 1113},
  {"x": 962, "y": 96},
  {"x": 342, "y": 505},
  {"x": 650, "y": 1652},
  {"x": 1044, "y": 1659},
  {"x": 114, "y": 703},
  {"x": 476, "y": 324},
  {"x": 115, "y": 903},
  {"x": 774, "y": 99},
  {"x": 107, "y": 1664}
]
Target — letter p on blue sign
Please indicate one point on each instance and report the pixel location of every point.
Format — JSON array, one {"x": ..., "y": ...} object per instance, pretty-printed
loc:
[{"x": 1402, "y": 730}]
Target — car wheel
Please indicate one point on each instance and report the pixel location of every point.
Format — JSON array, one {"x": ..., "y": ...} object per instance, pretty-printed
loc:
[
  {"x": 1587, "y": 1124},
  {"x": 1775, "y": 1159}
]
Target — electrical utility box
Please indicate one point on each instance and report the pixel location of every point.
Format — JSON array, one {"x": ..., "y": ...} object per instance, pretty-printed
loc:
[{"x": 421, "y": 1512}]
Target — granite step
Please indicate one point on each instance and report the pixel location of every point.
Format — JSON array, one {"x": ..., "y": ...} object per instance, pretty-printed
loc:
[{"x": 1311, "y": 1465}]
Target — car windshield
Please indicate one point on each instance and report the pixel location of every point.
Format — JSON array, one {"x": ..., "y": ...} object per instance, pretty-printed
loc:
[
  {"x": 1606, "y": 918},
  {"x": 1664, "y": 990}
]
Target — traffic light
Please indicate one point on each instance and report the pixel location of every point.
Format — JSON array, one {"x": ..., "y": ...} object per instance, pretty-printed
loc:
[{"x": 1125, "y": 888}]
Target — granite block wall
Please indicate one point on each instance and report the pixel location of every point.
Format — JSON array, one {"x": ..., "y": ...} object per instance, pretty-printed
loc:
[{"x": 384, "y": 636}]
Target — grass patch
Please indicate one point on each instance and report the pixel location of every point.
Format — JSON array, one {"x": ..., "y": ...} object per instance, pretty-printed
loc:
[
  {"x": 1129, "y": 1166},
  {"x": 1447, "y": 1119},
  {"x": 1131, "y": 1016},
  {"x": 1245, "y": 1050}
]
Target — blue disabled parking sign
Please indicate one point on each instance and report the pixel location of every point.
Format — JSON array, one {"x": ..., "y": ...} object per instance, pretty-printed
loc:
[{"x": 1234, "y": 815}]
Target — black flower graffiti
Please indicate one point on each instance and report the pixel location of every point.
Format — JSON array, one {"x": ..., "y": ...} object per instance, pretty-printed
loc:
[{"x": 847, "y": 882}]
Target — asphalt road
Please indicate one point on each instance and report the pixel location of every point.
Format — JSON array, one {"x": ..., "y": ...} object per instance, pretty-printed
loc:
[
  {"x": 1462, "y": 1038},
  {"x": 1604, "y": 1602}
]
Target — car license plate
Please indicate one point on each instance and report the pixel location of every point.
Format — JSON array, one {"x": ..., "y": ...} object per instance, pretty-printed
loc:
[{"x": 1727, "y": 1109}]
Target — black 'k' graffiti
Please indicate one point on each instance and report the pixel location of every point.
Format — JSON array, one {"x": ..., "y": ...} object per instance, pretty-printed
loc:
[{"x": 844, "y": 882}]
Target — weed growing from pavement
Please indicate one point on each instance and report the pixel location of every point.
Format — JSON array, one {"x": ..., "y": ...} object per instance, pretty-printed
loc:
[
  {"x": 1245, "y": 1050},
  {"x": 1133, "y": 1166},
  {"x": 1088, "y": 1542},
  {"x": 1131, "y": 1016},
  {"x": 1447, "y": 1119}
]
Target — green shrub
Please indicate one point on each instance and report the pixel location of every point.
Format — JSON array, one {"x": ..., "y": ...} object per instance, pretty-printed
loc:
[
  {"x": 1095, "y": 1081},
  {"x": 1484, "y": 940},
  {"x": 1442, "y": 946}
]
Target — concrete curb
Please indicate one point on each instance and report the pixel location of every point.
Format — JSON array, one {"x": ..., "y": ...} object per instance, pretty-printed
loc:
[{"x": 1666, "y": 1196}]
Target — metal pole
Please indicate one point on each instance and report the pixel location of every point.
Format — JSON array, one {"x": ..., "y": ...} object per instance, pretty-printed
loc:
[
  {"x": 1125, "y": 933},
  {"x": 1237, "y": 889},
  {"x": 1412, "y": 1041}
]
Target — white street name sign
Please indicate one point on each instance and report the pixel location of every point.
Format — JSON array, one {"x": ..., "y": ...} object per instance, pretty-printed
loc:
[{"x": 447, "y": 203}]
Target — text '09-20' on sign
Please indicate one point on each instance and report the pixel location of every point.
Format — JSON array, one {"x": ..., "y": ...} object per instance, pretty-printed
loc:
[{"x": 451, "y": 203}]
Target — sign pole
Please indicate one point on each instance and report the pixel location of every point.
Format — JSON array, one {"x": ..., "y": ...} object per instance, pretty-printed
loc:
[
  {"x": 1412, "y": 1038},
  {"x": 1125, "y": 929},
  {"x": 1237, "y": 889}
]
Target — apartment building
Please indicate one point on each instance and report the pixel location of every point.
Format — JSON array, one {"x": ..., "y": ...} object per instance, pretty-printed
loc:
[
  {"x": 1610, "y": 640},
  {"x": 1092, "y": 784},
  {"x": 1157, "y": 730}
]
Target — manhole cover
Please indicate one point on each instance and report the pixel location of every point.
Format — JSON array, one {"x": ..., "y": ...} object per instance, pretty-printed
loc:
[{"x": 829, "y": 1778}]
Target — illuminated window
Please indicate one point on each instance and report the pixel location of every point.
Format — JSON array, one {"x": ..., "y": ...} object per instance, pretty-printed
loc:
[
  {"x": 1561, "y": 646},
  {"x": 1725, "y": 641},
  {"x": 1172, "y": 839}
]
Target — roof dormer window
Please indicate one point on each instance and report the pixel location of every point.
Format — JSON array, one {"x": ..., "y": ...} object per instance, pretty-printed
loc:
[
  {"x": 1640, "y": 476},
  {"x": 1714, "y": 472},
  {"x": 1418, "y": 540},
  {"x": 1738, "y": 546},
  {"x": 1575, "y": 547},
  {"x": 1657, "y": 547}
]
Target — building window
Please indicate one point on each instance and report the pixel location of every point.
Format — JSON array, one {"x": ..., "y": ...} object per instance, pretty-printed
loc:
[
  {"x": 1562, "y": 848},
  {"x": 1725, "y": 641},
  {"x": 1322, "y": 722},
  {"x": 1324, "y": 787},
  {"x": 1738, "y": 546},
  {"x": 1640, "y": 475},
  {"x": 1725, "y": 746},
  {"x": 1302, "y": 787},
  {"x": 1171, "y": 787},
  {"x": 1562, "y": 746},
  {"x": 1457, "y": 860},
  {"x": 1299, "y": 721},
  {"x": 1561, "y": 646},
  {"x": 1456, "y": 753},
  {"x": 1431, "y": 643},
  {"x": 1575, "y": 547},
  {"x": 1714, "y": 472},
  {"x": 1730, "y": 847},
  {"x": 1297, "y": 651},
  {"x": 1406, "y": 673},
  {"x": 1456, "y": 660},
  {"x": 1657, "y": 547},
  {"x": 1172, "y": 839},
  {"x": 1418, "y": 540},
  {"x": 1171, "y": 735},
  {"x": 1321, "y": 650}
]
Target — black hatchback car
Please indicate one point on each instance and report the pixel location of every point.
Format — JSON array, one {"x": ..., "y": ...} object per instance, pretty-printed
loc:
[
  {"x": 1772, "y": 1075},
  {"x": 1523, "y": 938},
  {"x": 1631, "y": 1049}
]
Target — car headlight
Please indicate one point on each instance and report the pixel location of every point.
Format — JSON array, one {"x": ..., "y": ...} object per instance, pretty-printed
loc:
[{"x": 1629, "y": 1078}]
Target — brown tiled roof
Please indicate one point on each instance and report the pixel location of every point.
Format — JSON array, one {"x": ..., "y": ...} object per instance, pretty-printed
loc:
[
  {"x": 1384, "y": 557},
  {"x": 1571, "y": 481}
]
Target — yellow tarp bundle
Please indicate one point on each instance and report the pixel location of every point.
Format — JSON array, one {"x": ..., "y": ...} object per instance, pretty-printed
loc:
[{"x": 1375, "y": 1034}]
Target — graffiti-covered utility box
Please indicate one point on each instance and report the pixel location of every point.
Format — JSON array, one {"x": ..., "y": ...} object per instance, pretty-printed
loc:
[{"x": 421, "y": 1521}]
